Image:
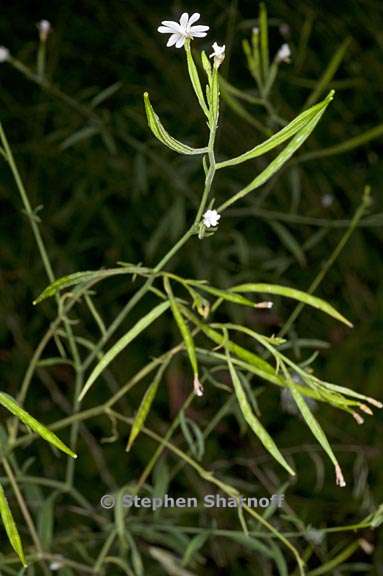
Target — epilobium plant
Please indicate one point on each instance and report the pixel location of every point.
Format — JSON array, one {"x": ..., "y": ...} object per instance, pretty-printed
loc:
[
  {"x": 190, "y": 323},
  {"x": 192, "y": 303}
]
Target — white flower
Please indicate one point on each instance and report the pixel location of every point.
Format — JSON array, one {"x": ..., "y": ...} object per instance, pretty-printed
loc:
[
  {"x": 284, "y": 53},
  {"x": 218, "y": 54},
  {"x": 4, "y": 54},
  {"x": 56, "y": 564},
  {"x": 211, "y": 218},
  {"x": 327, "y": 200},
  {"x": 183, "y": 29}
]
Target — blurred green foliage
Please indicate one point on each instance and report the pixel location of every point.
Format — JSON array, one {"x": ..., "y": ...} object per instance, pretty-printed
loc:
[{"x": 109, "y": 192}]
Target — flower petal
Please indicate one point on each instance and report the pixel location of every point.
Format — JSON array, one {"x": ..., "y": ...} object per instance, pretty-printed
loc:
[
  {"x": 193, "y": 18},
  {"x": 199, "y": 28},
  {"x": 181, "y": 41},
  {"x": 184, "y": 20},
  {"x": 173, "y": 39},
  {"x": 199, "y": 34},
  {"x": 174, "y": 26},
  {"x": 165, "y": 30}
]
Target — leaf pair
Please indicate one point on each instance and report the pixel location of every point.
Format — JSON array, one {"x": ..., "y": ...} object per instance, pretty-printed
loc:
[{"x": 299, "y": 130}]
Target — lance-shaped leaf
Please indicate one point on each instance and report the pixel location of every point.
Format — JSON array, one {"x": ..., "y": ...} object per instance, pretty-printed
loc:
[
  {"x": 82, "y": 277},
  {"x": 277, "y": 139},
  {"x": 260, "y": 366},
  {"x": 285, "y": 155},
  {"x": 139, "y": 327},
  {"x": 145, "y": 406},
  {"x": 183, "y": 328},
  {"x": 303, "y": 297},
  {"x": 10, "y": 404},
  {"x": 10, "y": 527},
  {"x": 214, "y": 99},
  {"x": 264, "y": 37},
  {"x": 163, "y": 136},
  {"x": 252, "y": 420},
  {"x": 315, "y": 427},
  {"x": 230, "y": 297},
  {"x": 206, "y": 65},
  {"x": 194, "y": 77}
]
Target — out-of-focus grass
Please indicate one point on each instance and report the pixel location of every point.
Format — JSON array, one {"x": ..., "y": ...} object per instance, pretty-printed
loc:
[{"x": 124, "y": 198}]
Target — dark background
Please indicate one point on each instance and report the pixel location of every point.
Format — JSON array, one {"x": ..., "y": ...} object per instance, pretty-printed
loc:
[{"x": 127, "y": 198}]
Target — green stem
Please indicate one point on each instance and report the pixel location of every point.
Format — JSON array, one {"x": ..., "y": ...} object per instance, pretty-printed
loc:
[
  {"x": 338, "y": 249},
  {"x": 48, "y": 268},
  {"x": 168, "y": 256},
  {"x": 25, "y": 512}
]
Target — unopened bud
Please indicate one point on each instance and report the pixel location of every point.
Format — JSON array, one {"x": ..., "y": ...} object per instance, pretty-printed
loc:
[{"x": 44, "y": 27}]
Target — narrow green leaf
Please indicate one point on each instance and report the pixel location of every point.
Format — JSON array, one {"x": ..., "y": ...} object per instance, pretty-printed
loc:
[
  {"x": 10, "y": 527},
  {"x": 346, "y": 146},
  {"x": 214, "y": 99},
  {"x": 231, "y": 97},
  {"x": 206, "y": 65},
  {"x": 144, "y": 408},
  {"x": 83, "y": 134},
  {"x": 276, "y": 164},
  {"x": 339, "y": 560},
  {"x": 295, "y": 294},
  {"x": 253, "y": 421},
  {"x": 227, "y": 295},
  {"x": 45, "y": 521},
  {"x": 252, "y": 62},
  {"x": 10, "y": 404},
  {"x": 163, "y": 136},
  {"x": 260, "y": 366},
  {"x": 105, "y": 94},
  {"x": 183, "y": 328},
  {"x": 193, "y": 547},
  {"x": 82, "y": 277},
  {"x": 193, "y": 436},
  {"x": 139, "y": 327},
  {"x": 251, "y": 543},
  {"x": 194, "y": 77},
  {"x": 329, "y": 73},
  {"x": 289, "y": 241},
  {"x": 315, "y": 427},
  {"x": 276, "y": 139},
  {"x": 264, "y": 37}
]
